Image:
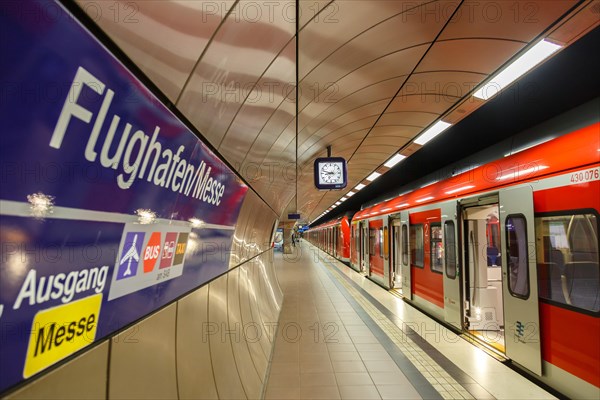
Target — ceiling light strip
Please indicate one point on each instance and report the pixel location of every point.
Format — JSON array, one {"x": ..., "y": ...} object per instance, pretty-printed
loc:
[
  {"x": 432, "y": 132},
  {"x": 519, "y": 67}
]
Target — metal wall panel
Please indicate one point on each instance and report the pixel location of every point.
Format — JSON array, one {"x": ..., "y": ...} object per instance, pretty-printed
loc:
[
  {"x": 142, "y": 359},
  {"x": 225, "y": 369},
  {"x": 253, "y": 327},
  {"x": 312, "y": 9},
  {"x": 276, "y": 86},
  {"x": 341, "y": 23},
  {"x": 257, "y": 306},
  {"x": 82, "y": 378},
  {"x": 194, "y": 365},
  {"x": 241, "y": 51},
  {"x": 249, "y": 376},
  {"x": 253, "y": 230},
  {"x": 164, "y": 38}
]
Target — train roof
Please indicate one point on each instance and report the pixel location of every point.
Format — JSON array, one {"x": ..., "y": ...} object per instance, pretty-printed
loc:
[
  {"x": 348, "y": 215},
  {"x": 579, "y": 148}
]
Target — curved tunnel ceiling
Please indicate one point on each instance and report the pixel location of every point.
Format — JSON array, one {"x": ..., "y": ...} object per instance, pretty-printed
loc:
[{"x": 365, "y": 77}]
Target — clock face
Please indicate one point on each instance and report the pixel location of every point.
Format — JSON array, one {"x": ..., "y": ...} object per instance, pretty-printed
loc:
[{"x": 331, "y": 172}]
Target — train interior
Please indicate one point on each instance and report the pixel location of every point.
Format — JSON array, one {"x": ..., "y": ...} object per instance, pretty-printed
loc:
[
  {"x": 395, "y": 259},
  {"x": 567, "y": 251},
  {"x": 484, "y": 314},
  {"x": 364, "y": 251}
]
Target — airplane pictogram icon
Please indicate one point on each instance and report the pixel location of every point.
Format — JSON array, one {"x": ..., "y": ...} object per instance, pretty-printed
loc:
[{"x": 132, "y": 254}]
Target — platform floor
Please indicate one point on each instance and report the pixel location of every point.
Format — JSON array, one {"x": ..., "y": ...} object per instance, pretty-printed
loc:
[{"x": 343, "y": 337}]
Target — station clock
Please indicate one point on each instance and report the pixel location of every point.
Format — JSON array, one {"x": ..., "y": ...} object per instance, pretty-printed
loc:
[{"x": 330, "y": 173}]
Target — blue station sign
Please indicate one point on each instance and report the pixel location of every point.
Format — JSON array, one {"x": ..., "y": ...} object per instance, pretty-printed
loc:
[{"x": 110, "y": 206}]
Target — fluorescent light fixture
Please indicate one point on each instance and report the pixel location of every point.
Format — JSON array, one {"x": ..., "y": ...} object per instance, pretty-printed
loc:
[
  {"x": 518, "y": 174},
  {"x": 424, "y": 199},
  {"x": 333, "y": 206},
  {"x": 519, "y": 67},
  {"x": 343, "y": 199},
  {"x": 432, "y": 132},
  {"x": 350, "y": 194},
  {"x": 402, "y": 205},
  {"x": 373, "y": 176},
  {"x": 386, "y": 209},
  {"x": 460, "y": 189},
  {"x": 359, "y": 186},
  {"x": 337, "y": 203},
  {"x": 394, "y": 160}
]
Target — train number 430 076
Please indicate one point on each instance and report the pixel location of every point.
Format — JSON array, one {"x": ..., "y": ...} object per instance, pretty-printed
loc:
[{"x": 585, "y": 176}]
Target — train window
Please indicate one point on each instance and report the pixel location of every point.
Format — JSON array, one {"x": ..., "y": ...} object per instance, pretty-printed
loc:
[
  {"x": 436, "y": 248},
  {"x": 518, "y": 265},
  {"x": 449, "y": 246},
  {"x": 567, "y": 259},
  {"x": 416, "y": 245},
  {"x": 404, "y": 244}
]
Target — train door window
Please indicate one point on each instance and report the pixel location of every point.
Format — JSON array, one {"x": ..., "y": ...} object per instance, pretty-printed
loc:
[
  {"x": 436, "y": 248},
  {"x": 372, "y": 240},
  {"x": 357, "y": 239},
  {"x": 518, "y": 266},
  {"x": 335, "y": 239},
  {"x": 383, "y": 240},
  {"x": 416, "y": 245},
  {"x": 396, "y": 247},
  {"x": 450, "y": 249},
  {"x": 404, "y": 244},
  {"x": 352, "y": 236},
  {"x": 567, "y": 259}
]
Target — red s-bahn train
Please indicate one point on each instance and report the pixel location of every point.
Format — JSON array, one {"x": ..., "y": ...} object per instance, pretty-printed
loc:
[
  {"x": 333, "y": 237},
  {"x": 507, "y": 252}
]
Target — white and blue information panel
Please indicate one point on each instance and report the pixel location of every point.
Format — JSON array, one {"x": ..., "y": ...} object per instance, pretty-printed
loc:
[{"x": 110, "y": 207}]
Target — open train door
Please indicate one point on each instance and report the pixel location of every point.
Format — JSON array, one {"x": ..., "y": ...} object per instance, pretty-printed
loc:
[
  {"x": 364, "y": 260},
  {"x": 452, "y": 282},
  {"x": 519, "y": 278},
  {"x": 396, "y": 253},
  {"x": 335, "y": 233},
  {"x": 405, "y": 258}
]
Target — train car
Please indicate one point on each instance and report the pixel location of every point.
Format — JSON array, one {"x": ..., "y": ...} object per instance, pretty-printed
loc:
[
  {"x": 333, "y": 237},
  {"x": 506, "y": 252}
]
